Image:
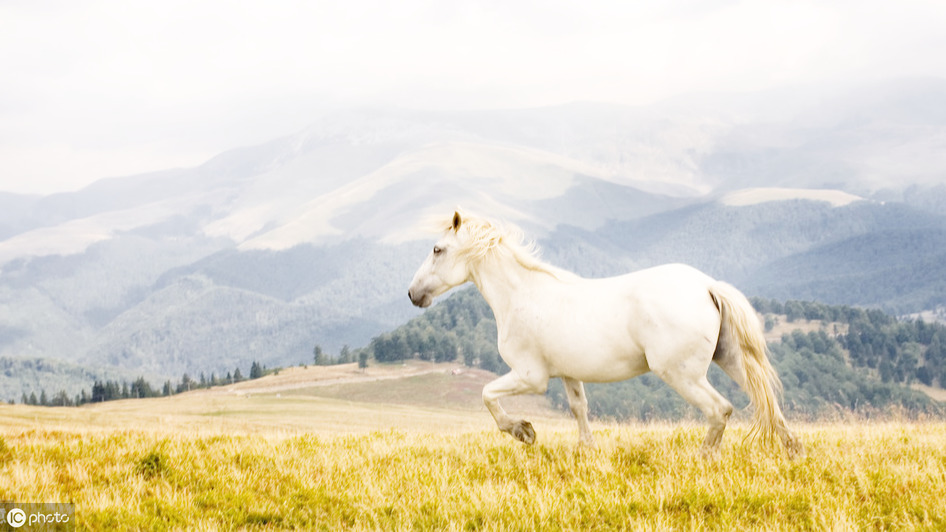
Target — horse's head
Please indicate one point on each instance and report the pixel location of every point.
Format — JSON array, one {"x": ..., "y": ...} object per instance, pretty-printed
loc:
[{"x": 444, "y": 268}]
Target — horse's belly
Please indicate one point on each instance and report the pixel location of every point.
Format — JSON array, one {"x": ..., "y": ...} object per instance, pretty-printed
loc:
[
  {"x": 591, "y": 353},
  {"x": 594, "y": 368}
]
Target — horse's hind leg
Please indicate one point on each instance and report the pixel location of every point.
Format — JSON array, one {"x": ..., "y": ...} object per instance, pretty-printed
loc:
[
  {"x": 575, "y": 391},
  {"x": 511, "y": 384},
  {"x": 701, "y": 394}
]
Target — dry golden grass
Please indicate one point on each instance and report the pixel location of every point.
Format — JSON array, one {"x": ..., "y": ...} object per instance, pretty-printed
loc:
[{"x": 222, "y": 461}]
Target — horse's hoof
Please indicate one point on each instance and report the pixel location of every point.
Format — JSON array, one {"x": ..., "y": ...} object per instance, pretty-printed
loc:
[
  {"x": 710, "y": 453},
  {"x": 523, "y": 432}
]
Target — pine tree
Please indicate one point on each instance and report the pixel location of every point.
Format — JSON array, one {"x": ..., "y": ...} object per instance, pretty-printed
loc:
[
  {"x": 112, "y": 390},
  {"x": 61, "y": 399},
  {"x": 98, "y": 392},
  {"x": 140, "y": 389},
  {"x": 345, "y": 356},
  {"x": 321, "y": 359},
  {"x": 187, "y": 384}
]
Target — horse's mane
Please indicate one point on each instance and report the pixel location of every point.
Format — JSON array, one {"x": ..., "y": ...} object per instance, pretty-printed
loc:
[{"x": 488, "y": 237}]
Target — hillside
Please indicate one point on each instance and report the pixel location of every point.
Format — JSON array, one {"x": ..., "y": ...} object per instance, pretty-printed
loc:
[
  {"x": 448, "y": 386},
  {"x": 409, "y": 396},
  {"x": 886, "y": 255}
]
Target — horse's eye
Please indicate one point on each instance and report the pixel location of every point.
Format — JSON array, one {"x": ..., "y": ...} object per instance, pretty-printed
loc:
[{"x": 438, "y": 250}]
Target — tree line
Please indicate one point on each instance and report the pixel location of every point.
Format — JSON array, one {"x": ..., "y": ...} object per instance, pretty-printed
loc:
[
  {"x": 346, "y": 356},
  {"x": 113, "y": 390},
  {"x": 462, "y": 327}
]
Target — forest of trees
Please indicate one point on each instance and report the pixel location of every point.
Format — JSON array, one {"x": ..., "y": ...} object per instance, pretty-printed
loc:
[
  {"x": 461, "y": 327},
  {"x": 895, "y": 350},
  {"x": 111, "y": 390}
]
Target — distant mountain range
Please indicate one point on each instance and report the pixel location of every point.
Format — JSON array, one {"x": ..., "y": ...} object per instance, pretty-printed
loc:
[{"x": 264, "y": 252}]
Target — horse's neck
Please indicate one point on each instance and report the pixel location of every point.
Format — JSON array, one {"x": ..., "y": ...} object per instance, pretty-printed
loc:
[{"x": 501, "y": 280}]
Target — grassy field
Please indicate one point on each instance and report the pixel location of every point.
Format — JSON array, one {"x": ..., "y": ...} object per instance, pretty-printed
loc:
[{"x": 286, "y": 460}]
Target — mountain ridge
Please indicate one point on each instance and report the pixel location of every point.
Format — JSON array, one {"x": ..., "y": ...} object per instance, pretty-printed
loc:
[{"x": 264, "y": 251}]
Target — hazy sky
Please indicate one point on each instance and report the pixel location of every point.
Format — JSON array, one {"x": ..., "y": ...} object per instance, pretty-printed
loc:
[{"x": 104, "y": 88}]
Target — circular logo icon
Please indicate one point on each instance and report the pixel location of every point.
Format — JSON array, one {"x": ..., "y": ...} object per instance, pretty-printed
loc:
[{"x": 16, "y": 518}]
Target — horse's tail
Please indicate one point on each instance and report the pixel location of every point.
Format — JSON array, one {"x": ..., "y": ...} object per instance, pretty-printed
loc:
[{"x": 741, "y": 340}]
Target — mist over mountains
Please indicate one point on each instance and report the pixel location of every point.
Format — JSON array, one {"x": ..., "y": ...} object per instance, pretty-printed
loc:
[{"x": 265, "y": 251}]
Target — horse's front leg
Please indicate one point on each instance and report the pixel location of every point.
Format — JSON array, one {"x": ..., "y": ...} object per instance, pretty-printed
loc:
[{"x": 512, "y": 384}]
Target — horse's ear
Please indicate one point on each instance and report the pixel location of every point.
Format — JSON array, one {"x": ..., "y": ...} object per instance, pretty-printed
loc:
[{"x": 456, "y": 221}]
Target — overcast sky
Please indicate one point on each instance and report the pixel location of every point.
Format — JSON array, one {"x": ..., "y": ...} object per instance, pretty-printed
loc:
[{"x": 104, "y": 88}]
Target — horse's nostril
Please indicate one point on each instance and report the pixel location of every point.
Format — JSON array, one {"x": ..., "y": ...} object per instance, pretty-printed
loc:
[{"x": 410, "y": 295}]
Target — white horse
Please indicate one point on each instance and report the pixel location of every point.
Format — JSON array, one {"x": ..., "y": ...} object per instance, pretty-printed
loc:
[{"x": 672, "y": 320}]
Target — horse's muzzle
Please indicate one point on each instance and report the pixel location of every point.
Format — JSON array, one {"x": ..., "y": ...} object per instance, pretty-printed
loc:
[{"x": 422, "y": 301}]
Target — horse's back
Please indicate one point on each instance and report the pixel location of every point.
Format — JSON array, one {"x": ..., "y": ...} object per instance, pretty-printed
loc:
[
  {"x": 668, "y": 275},
  {"x": 671, "y": 295},
  {"x": 663, "y": 289}
]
